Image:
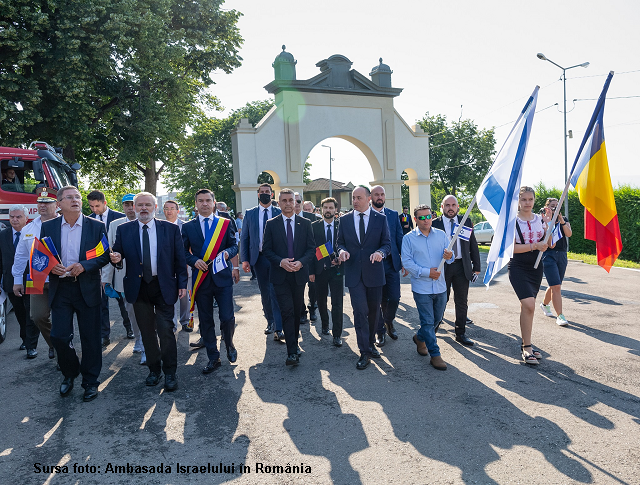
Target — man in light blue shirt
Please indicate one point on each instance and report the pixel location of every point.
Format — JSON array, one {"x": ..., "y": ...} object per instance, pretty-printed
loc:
[{"x": 422, "y": 250}]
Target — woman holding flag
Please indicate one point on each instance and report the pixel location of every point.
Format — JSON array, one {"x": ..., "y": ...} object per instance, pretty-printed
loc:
[{"x": 555, "y": 262}]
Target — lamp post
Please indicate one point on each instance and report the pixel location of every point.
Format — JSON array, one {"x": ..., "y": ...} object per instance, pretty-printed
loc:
[
  {"x": 542, "y": 57},
  {"x": 330, "y": 178}
]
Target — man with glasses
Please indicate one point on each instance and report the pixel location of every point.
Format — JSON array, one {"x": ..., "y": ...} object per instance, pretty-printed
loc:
[{"x": 422, "y": 250}]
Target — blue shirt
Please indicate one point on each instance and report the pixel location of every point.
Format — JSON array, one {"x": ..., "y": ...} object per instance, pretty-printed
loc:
[{"x": 420, "y": 253}]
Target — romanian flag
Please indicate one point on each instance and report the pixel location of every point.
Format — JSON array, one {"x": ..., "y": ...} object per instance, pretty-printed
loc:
[
  {"x": 41, "y": 262},
  {"x": 29, "y": 288},
  {"x": 590, "y": 176},
  {"x": 323, "y": 251},
  {"x": 99, "y": 250}
]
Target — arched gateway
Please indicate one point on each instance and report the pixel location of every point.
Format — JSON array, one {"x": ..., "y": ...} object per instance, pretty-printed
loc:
[{"x": 339, "y": 102}]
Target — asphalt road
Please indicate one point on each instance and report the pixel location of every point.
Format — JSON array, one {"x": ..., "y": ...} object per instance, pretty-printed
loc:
[{"x": 488, "y": 419}]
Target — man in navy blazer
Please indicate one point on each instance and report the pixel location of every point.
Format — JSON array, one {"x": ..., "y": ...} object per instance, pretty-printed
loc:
[
  {"x": 251, "y": 239},
  {"x": 74, "y": 287},
  {"x": 392, "y": 267},
  {"x": 363, "y": 243},
  {"x": 156, "y": 276},
  {"x": 100, "y": 211},
  {"x": 218, "y": 285}
]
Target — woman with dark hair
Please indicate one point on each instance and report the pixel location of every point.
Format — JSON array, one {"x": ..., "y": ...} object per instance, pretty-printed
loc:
[
  {"x": 524, "y": 278},
  {"x": 555, "y": 263}
]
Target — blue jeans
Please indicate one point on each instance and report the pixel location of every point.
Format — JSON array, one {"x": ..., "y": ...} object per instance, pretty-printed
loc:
[{"x": 430, "y": 309}]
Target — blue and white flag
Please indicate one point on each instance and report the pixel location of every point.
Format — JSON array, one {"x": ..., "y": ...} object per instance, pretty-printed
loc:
[
  {"x": 219, "y": 263},
  {"x": 497, "y": 197},
  {"x": 556, "y": 234},
  {"x": 465, "y": 232}
]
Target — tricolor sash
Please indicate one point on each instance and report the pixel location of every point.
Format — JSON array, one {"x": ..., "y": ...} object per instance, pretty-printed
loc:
[{"x": 210, "y": 248}]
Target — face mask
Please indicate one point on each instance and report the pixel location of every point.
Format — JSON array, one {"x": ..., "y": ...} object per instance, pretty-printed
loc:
[{"x": 264, "y": 198}]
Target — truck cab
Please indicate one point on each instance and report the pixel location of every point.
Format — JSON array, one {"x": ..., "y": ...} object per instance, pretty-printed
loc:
[{"x": 24, "y": 170}]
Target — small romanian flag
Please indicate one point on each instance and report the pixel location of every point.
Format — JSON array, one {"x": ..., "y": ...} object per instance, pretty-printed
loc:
[
  {"x": 323, "y": 251},
  {"x": 30, "y": 288},
  {"x": 99, "y": 250}
]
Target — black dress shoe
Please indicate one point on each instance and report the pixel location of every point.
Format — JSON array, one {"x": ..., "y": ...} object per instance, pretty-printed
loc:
[
  {"x": 211, "y": 366},
  {"x": 232, "y": 354},
  {"x": 292, "y": 359},
  {"x": 278, "y": 336},
  {"x": 185, "y": 328},
  {"x": 170, "y": 382},
  {"x": 22, "y": 347},
  {"x": 130, "y": 334},
  {"x": 32, "y": 353},
  {"x": 304, "y": 320},
  {"x": 270, "y": 328},
  {"x": 363, "y": 362},
  {"x": 66, "y": 386},
  {"x": 197, "y": 344},
  {"x": 464, "y": 340},
  {"x": 337, "y": 341},
  {"x": 153, "y": 378},
  {"x": 325, "y": 331},
  {"x": 374, "y": 352},
  {"x": 313, "y": 316},
  {"x": 90, "y": 393},
  {"x": 52, "y": 353},
  {"x": 469, "y": 321},
  {"x": 106, "y": 342},
  {"x": 380, "y": 340},
  {"x": 391, "y": 331}
]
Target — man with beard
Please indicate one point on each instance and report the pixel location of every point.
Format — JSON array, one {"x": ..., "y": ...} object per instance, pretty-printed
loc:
[
  {"x": 327, "y": 272},
  {"x": 463, "y": 269}
]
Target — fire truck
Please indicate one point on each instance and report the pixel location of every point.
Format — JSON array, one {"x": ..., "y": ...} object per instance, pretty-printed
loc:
[{"x": 24, "y": 170}]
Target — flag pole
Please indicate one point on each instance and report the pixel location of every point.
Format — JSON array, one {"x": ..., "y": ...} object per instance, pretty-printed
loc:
[
  {"x": 552, "y": 222},
  {"x": 455, "y": 234}
]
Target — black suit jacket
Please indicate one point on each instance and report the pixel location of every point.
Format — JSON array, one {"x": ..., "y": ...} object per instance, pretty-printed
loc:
[
  {"x": 470, "y": 253},
  {"x": 274, "y": 248},
  {"x": 358, "y": 267},
  {"x": 320, "y": 236},
  {"x": 310, "y": 216},
  {"x": 92, "y": 232},
  {"x": 6, "y": 258},
  {"x": 172, "y": 268},
  {"x": 111, "y": 216}
]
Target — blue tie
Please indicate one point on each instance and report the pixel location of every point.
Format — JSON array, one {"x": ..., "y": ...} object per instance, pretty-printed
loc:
[
  {"x": 329, "y": 239},
  {"x": 16, "y": 238},
  {"x": 206, "y": 226}
]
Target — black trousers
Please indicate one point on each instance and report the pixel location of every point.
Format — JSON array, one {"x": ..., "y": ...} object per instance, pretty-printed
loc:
[
  {"x": 365, "y": 302},
  {"x": 29, "y": 333},
  {"x": 390, "y": 299},
  {"x": 455, "y": 277},
  {"x": 204, "y": 300},
  {"x": 329, "y": 279},
  {"x": 290, "y": 297},
  {"x": 67, "y": 301},
  {"x": 155, "y": 320}
]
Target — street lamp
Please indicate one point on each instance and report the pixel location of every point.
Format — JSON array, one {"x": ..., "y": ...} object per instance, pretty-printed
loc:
[
  {"x": 330, "y": 178},
  {"x": 542, "y": 57}
]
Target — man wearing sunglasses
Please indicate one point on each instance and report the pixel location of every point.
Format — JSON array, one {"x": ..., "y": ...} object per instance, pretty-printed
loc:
[{"x": 422, "y": 250}]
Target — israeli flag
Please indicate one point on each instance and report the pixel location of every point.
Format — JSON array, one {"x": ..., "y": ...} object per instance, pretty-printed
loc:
[
  {"x": 497, "y": 197},
  {"x": 465, "y": 232},
  {"x": 219, "y": 263},
  {"x": 556, "y": 234}
]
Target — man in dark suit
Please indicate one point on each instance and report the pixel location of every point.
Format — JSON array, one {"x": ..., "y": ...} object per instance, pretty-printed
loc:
[
  {"x": 392, "y": 267},
  {"x": 405, "y": 220},
  {"x": 289, "y": 246},
  {"x": 100, "y": 211},
  {"x": 219, "y": 285},
  {"x": 327, "y": 273},
  {"x": 9, "y": 238},
  {"x": 308, "y": 213},
  {"x": 251, "y": 242},
  {"x": 74, "y": 287},
  {"x": 462, "y": 270},
  {"x": 363, "y": 243},
  {"x": 156, "y": 276}
]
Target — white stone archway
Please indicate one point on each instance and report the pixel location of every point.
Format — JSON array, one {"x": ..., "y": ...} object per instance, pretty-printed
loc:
[{"x": 337, "y": 103}]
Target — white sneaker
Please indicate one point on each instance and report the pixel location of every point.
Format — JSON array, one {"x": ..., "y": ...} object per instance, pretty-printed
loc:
[
  {"x": 561, "y": 320},
  {"x": 143, "y": 360},
  {"x": 546, "y": 309}
]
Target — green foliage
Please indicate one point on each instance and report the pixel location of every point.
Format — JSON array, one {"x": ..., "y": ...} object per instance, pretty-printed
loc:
[
  {"x": 206, "y": 160},
  {"x": 460, "y": 155}
]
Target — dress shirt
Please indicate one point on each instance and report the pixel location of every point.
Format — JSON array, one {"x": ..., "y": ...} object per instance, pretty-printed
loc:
[
  {"x": 70, "y": 237},
  {"x": 23, "y": 250},
  {"x": 103, "y": 217},
  {"x": 153, "y": 244},
  {"x": 420, "y": 253},
  {"x": 447, "y": 229},
  {"x": 333, "y": 229},
  {"x": 201, "y": 219},
  {"x": 261, "y": 221},
  {"x": 293, "y": 224},
  {"x": 356, "y": 221}
]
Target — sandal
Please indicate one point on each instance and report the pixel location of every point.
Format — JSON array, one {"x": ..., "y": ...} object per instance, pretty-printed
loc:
[
  {"x": 535, "y": 352},
  {"x": 527, "y": 357}
]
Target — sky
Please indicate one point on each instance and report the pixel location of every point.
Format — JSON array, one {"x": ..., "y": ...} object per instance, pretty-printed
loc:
[{"x": 478, "y": 58}]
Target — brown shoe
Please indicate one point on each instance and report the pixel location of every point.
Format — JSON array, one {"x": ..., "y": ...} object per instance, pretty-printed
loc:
[
  {"x": 422, "y": 347},
  {"x": 438, "y": 363}
]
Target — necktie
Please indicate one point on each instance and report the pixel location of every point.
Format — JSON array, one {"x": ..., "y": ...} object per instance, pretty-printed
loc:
[
  {"x": 101, "y": 218},
  {"x": 289, "y": 239},
  {"x": 361, "y": 227},
  {"x": 455, "y": 246},
  {"x": 329, "y": 239},
  {"x": 146, "y": 255},
  {"x": 264, "y": 220},
  {"x": 206, "y": 226},
  {"x": 16, "y": 238}
]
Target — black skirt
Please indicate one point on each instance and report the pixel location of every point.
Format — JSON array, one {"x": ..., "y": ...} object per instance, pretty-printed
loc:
[{"x": 524, "y": 278}]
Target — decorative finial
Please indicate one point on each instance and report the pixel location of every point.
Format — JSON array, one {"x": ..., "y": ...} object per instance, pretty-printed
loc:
[
  {"x": 284, "y": 47},
  {"x": 381, "y": 61}
]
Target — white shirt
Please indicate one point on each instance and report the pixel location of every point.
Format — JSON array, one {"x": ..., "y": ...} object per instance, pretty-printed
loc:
[
  {"x": 70, "y": 237},
  {"x": 23, "y": 250},
  {"x": 103, "y": 217},
  {"x": 293, "y": 224},
  {"x": 153, "y": 244},
  {"x": 333, "y": 230},
  {"x": 447, "y": 229},
  {"x": 261, "y": 221},
  {"x": 356, "y": 221},
  {"x": 201, "y": 219}
]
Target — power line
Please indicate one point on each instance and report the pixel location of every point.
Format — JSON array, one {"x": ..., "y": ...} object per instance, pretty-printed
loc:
[{"x": 595, "y": 99}]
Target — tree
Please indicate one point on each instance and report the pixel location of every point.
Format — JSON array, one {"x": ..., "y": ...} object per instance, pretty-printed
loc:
[
  {"x": 206, "y": 160},
  {"x": 460, "y": 155},
  {"x": 115, "y": 82}
]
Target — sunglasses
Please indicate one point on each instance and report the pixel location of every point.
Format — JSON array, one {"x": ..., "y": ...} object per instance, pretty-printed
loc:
[
  {"x": 422, "y": 218},
  {"x": 298, "y": 202}
]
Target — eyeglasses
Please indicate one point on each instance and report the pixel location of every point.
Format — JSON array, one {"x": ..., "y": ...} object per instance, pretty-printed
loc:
[
  {"x": 72, "y": 197},
  {"x": 422, "y": 218}
]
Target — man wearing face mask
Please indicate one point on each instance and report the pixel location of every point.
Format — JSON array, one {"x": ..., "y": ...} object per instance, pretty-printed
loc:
[{"x": 251, "y": 239}]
